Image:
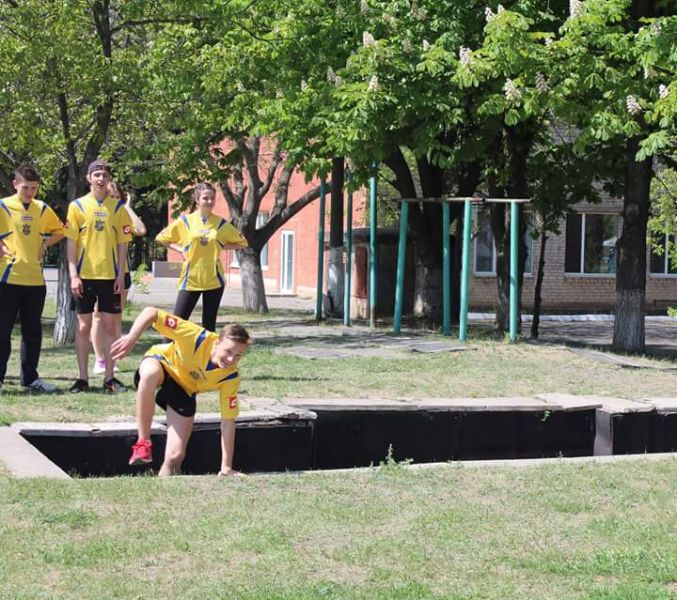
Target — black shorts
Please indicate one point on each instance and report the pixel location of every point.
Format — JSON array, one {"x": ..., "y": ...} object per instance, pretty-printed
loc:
[
  {"x": 172, "y": 394},
  {"x": 128, "y": 281},
  {"x": 98, "y": 292}
]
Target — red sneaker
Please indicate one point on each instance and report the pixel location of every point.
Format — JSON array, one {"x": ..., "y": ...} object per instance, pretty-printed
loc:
[{"x": 141, "y": 453}]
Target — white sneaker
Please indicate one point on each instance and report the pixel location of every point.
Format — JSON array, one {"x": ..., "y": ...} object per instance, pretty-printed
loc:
[
  {"x": 100, "y": 367},
  {"x": 40, "y": 385}
]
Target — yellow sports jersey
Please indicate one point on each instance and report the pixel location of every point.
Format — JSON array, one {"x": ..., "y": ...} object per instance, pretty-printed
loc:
[
  {"x": 202, "y": 241},
  {"x": 187, "y": 360},
  {"x": 98, "y": 228},
  {"x": 23, "y": 231}
]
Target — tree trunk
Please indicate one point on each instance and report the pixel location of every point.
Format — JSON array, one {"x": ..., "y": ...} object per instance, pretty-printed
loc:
[
  {"x": 502, "y": 247},
  {"x": 631, "y": 253},
  {"x": 539, "y": 284},
  {"x": 64, "y": 324},
  {"x": 253, "y": 288},
  {"x": 335, "y": 272}
]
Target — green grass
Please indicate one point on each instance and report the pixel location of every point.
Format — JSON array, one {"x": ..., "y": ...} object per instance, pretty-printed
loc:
[
  {"x": 559, "y": 532},
  {"x": 492, "y": 368}
]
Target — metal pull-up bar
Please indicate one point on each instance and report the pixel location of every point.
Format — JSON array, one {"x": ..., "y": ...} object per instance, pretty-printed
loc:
[{"x": 465, "y": 261}]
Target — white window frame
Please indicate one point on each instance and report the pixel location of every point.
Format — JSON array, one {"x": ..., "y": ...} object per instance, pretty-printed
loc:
[
  {"x": 284, "y": 234},
  {"x": 492, "y": 273},
  {"x": 666, "y": 259},
  {"x": 581, "y": 272}
]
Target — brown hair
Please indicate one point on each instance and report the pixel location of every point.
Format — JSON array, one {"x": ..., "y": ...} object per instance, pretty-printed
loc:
[
  {"x": 121, "y": 190},
  {"x": 203, "y": 186},
  {"x": 235, "y": 332},
  {"x": 27, "y": 173}
]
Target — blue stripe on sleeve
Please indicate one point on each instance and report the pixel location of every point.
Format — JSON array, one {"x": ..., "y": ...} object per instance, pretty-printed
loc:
[
  {"x": 201, "y": 338},
  {"x": 231, "y": 376}
]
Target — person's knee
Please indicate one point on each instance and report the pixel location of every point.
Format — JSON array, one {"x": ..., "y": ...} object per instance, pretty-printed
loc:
[
  {"x": 84, "y": 327},
  {"x": 150, "y": 373},
  {"x": 174, "y": 458}
]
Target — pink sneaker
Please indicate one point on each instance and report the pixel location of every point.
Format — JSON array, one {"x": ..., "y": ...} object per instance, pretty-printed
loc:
[{"x": 142, "y": 453}]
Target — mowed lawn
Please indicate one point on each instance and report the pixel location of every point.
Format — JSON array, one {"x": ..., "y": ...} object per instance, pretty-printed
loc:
[
  {"x": 490, "y": 368},
  {"x": 593, "y": 531}
]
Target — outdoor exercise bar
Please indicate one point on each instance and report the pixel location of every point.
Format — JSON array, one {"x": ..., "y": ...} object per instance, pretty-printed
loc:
[
  {"x": 320, "y": 252},
  {"x": 372, "y": 251},
  {"x": 465, "y": 261},
  {"x": 349, "y": 256}
]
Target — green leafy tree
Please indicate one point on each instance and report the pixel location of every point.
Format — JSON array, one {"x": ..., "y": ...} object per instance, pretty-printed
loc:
[{"x": 72, "y": 92}]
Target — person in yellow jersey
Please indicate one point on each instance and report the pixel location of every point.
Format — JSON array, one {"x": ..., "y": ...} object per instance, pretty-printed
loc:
[
  {"x": 171, "y": 374},
  {"x": 200, "y": 237},
  {"x": 117, "y": 192},
  {"x": 98, "y": 229},
  {"x": 27, "y": 228}
]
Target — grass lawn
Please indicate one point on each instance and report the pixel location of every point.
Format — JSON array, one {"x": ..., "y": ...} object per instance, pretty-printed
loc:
[
  {"x": 565, "y": 532},
  {"x": 492, "y": 368}
]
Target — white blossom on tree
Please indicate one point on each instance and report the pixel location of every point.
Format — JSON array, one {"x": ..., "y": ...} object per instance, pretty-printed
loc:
[
  {"x": 632, "y": 105},
  {"x": 663, "y": 90},
  {"x": 511, "y": 91},
  {"x": 541, "y": 83},
  {"x": 575, "y": 8},
  {"x": 367, "y": 39},
  {"x": 465, "y": 56},
  {"x": 373, "y": 84}
]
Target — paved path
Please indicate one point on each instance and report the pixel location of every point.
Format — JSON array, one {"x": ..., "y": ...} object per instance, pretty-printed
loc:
[{"x": 597, "y": 330}]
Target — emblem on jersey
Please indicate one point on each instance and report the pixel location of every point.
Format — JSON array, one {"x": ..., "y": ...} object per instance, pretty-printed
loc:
[
  {"x": 195, "y": 375},
  {"x": 203, "y": 240},
  {"x": 98, "y": 225},
  {"x": 232, "y": 402},
  {"x": 171, "y": 322},
  {"x": 26, "y": 229},
  {"x": 127, "y": 230},
  {"x": 100, "y": 213},
  {"x": 26, "y": 218}
]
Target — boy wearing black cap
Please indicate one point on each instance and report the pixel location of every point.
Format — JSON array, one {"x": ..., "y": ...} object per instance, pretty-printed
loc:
[{"x": 98, "y": 229}]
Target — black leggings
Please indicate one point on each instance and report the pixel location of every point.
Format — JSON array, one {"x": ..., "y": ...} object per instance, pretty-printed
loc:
[
  {"x": 28, "y": 301},
  {"x": 211, "y": 299}
]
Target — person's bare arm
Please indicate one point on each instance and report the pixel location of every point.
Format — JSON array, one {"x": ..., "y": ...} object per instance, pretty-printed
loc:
[
  {"x": 123, "y": 346},
  {"x": 227, "y": 447},
  {"x": 76, "y": 283},
  {"x": 137, "y": 223}
]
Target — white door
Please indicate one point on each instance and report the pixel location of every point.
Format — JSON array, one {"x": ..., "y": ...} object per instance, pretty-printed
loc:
[{"x": 287, "y": 266}]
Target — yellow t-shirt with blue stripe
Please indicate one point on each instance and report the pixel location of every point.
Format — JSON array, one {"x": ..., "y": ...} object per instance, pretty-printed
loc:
[
  {"x": 202, "y": 240},
  {"x": 98, "y": 227},
  {"x": 23, "y": 229},
  {"x": 187, "y": 360}
]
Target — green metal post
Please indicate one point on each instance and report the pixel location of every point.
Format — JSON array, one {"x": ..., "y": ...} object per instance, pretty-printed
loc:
[
  {"x": 446, "y": 270},
  {"x": 372, "y": 252},
  {"x": 514, "y": 288},
  {"x": 465, "y": 271},
  {"x": 349, "y": 257},
  {"x": 401, "y": 256},
  {"x": 320, "y": 252}
]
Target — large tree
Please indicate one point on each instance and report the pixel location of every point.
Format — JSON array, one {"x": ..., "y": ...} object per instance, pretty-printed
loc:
[{"x": 72, "y": 91}]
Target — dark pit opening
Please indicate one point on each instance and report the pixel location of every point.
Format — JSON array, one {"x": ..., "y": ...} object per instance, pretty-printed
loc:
[{"x": 357, "y": 438}]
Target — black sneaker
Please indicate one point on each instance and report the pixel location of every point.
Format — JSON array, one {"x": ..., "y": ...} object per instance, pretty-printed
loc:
[
  {"x": 80, "y": 385},
  {"x": 113, "y": 386}
]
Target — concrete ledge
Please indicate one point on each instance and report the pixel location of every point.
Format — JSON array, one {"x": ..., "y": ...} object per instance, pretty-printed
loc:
[
  {"x": 568, "y": 402},
  {"x": 354, "y": 404},
  {"x": 662, "y": 404},
  {"x": 483, "y": 404},
  {"x": 24, "y": 460}
]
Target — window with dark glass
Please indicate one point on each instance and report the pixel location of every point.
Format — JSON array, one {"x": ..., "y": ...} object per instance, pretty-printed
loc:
[{"x": 590, "y": 245}]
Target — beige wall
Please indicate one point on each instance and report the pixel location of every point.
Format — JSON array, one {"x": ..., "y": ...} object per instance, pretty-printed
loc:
[{"x": 571, "y": 292}]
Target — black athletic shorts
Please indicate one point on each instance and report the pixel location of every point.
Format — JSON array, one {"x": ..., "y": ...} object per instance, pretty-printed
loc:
[
  {"x": 172, "y": 394},
  {"x": 128, "y": 281},
  {"x": 98, "y": 292}
]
